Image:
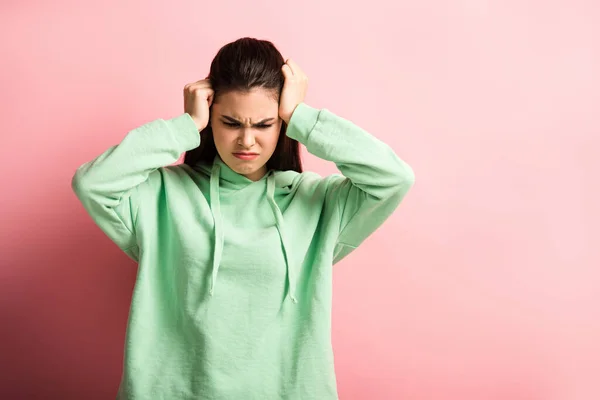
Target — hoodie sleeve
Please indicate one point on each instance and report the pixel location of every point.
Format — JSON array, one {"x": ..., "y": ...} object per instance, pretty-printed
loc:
[
  {"x": 374, "y": 181},
  {"x": 109, "y": 185}
]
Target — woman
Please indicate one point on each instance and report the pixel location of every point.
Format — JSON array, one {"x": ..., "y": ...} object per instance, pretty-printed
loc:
[{"x": 236, "y": 245}]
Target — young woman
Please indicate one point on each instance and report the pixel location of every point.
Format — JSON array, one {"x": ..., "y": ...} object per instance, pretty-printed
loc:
[{"x": 236, "y": 245}]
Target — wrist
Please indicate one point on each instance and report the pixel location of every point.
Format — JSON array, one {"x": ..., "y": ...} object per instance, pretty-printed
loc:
[
  {"x": 198, "y": 124},
  {"x": 288, "y": 116}
]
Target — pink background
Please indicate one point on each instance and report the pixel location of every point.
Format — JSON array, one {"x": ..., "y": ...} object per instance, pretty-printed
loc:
[{"x": 484, "y": 285}]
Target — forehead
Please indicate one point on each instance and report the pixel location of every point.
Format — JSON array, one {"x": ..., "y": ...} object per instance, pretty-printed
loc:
[{"x": 254, "y": 105}]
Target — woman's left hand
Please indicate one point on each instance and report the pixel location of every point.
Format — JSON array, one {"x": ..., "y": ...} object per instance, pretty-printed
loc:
[{"x": 294, "y": 89}]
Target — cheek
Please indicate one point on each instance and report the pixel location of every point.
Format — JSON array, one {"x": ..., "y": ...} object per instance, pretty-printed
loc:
[
  {"x": 272, "y": 137},
  {"x": 270, "y": 140},
  {"x": 222, "y": 137}
]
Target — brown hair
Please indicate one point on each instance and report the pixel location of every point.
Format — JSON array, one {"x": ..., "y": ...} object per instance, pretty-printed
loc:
[{"x": 242, "y": 65}]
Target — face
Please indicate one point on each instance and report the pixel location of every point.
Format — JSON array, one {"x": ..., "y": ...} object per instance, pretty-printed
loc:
[{"x": 246, "y": 128}]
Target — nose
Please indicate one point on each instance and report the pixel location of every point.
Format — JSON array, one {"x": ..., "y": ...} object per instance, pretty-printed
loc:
[{"x": 246, "y": 138}]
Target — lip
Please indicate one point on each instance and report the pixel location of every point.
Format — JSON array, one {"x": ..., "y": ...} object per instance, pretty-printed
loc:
[{"x": 246, "y": 156}]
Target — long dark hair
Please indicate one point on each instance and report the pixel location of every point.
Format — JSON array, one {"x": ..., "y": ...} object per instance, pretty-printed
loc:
[{"x": 245, "y": 64}]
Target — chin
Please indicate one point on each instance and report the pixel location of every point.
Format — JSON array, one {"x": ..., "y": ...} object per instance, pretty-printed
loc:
[{"x": 245, "y": 167}]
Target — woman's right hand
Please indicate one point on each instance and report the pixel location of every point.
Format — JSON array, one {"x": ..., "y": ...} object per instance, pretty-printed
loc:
[{"x": 197, "y": 99}]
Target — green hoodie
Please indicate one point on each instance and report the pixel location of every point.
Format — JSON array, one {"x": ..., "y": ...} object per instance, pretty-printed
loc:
[{"x": 233, "y": 293}]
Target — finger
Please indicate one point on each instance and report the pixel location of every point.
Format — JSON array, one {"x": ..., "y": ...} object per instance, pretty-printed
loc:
[
  {"x": 297, "y": 71},
  {"x": 197, "y": 90},
  {"x": 201, "y": 84},
  {"x": 287, "y": 71},
  {"x": 290, "y": 64}
]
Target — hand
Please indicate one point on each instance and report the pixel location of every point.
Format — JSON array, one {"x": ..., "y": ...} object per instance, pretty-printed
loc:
[
  {"x": 197, "y": 99},
  {"x": 294, "y": 89}
]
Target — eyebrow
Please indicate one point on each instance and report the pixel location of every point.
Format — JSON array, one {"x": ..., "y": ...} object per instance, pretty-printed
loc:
[{"x": 230, "y": 119}]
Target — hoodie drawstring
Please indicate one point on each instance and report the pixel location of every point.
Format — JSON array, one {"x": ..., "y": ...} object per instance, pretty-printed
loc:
[
  {"x": 291, "y": 279},
  {"x": 215, "y": 206}
]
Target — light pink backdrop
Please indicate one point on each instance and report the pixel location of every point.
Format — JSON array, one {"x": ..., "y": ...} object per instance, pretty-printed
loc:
[{"x": 484, "y": 285}]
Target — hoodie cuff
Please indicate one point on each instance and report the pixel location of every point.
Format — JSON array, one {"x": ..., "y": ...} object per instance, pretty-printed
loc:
[
  {"x": 184, "y": 131},
  {"x": 302, "y": 122}
]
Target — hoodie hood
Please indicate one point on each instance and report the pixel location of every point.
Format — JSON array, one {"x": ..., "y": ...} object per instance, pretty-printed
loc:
[{"x": 222, "y": 176}]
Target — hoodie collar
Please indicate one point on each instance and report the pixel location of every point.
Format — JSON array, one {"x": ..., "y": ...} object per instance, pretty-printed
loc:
[
  {"x": 223, "y": 176},
  {"x": 231, "y": 178}
]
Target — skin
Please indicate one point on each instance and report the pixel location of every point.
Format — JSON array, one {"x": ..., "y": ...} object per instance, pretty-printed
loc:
[
  {"x": 246, "y": 122},
  {"x": 255, "y": 118}
]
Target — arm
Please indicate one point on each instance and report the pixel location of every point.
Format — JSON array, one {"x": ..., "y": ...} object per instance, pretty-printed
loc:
[
  {"x": 109, "y": 185},
  {"x": 374, "y": 181}
]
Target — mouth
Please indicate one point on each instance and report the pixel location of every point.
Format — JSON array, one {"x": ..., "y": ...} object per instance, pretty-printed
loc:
[{"x": 246, "y": 156}]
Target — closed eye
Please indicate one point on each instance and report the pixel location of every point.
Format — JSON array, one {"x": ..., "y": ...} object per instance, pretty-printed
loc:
[{"x": 259, "y": 126}]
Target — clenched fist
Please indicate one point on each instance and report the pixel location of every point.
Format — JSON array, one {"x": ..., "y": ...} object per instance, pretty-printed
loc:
[
  {"x": 294, "y": 89},
  {"x": 197, "y": 99}
]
